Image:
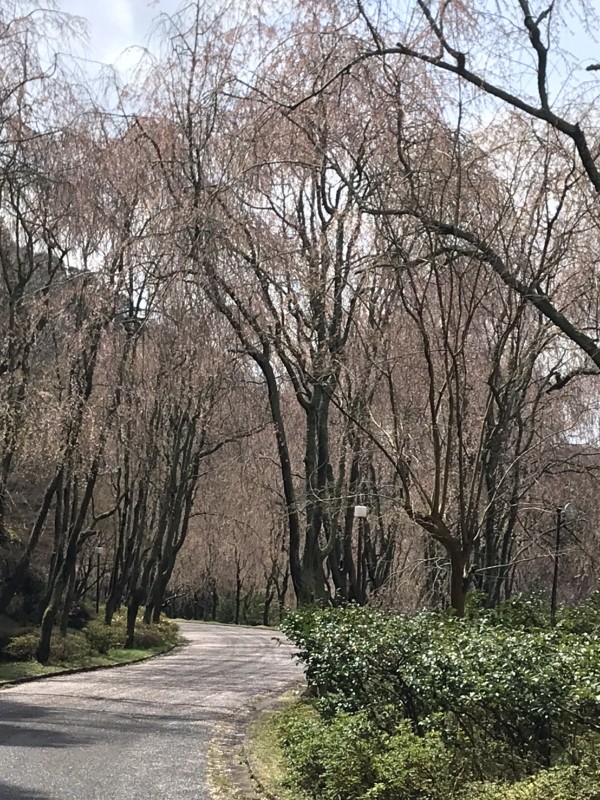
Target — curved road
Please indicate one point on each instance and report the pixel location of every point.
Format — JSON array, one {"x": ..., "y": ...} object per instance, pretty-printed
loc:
[{"x": 139, "y": 732}]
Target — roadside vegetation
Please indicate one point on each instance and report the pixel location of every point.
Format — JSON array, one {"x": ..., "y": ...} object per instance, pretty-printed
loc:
[
  {"x": 94, "y": 644},
  {"x": 498, "y": 705}
]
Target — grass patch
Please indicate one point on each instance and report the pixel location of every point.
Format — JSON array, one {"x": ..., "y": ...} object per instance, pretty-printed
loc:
[
  {"x": 265, "y": 753},
  {"x": 118, "y": 656},
  {"x": 17, "y": 670}
]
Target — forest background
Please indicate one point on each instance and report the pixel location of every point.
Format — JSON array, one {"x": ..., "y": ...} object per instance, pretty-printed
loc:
[{"x": 285, "y": 265}]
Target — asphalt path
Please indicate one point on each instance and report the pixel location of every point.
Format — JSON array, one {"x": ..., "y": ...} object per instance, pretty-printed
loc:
[{"x": 140, "y": 732}]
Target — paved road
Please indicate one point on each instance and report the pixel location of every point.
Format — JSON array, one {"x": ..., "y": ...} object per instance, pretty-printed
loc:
[{"x": 139, "y": 732}]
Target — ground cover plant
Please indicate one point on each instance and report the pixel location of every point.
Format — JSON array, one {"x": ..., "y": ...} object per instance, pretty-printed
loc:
[
  {"x": 96, "y": 644},
  {"x": 499, "y": 704}
]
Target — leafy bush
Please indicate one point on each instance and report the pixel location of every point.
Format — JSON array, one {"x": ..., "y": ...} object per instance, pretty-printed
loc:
[
  {"x": 22, "y": 648},
  {"x": 104, "y": 637},
  {"x": 73, "y": 647},
  {"x": 526, "y": 612},
  {"x": 162, "y": 634},
  {"x": 413, "y": 767},
  {"x": 350, "y": 654},
  {"x": 478, "y": 683},
  {"x": 95, "y": 638},
  {"x": 25, "y": 604},
  {"x": 348, "y": 758},
  {"x": 583, "y": 618},
  {"x": 571, "y": 782},
  {"x": 9, "y": 629},
  {"x": 79, "y": 616},
  {"x": 64, "y": 649},
  {"x": 531, "y": 612}
]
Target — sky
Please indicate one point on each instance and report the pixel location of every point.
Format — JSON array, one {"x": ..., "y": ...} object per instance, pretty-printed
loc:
[{"x": 116, "y": 25}]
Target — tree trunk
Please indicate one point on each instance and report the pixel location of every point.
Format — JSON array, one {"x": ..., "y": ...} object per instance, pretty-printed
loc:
[
  {"x": 458, "y": 582},
  {"x": 214, "y": 603},
  {"x": 110, "y": 608},
  {"x": 238, "y": 593},
  {"x": 148, "y": 613},
  {"x": 68, "y": 602},
  {"x": 267, "y": 607},
  {"x": 287, "y": 476},
  {"x": 132, "y": 611},
  {"x": 281, "y": 594},
  {"x": 42, "y": 652}
]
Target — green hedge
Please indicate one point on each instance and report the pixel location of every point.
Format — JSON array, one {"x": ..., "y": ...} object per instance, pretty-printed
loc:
[
  {"x": 106, "y": 637},
  {"x": 572, "y": 782},
  {"x": 347, "y": 757},
  {"x": 96, "y": 638},
  {"x": 506, "y": 700},
  {"x": 65, "y": 649}
]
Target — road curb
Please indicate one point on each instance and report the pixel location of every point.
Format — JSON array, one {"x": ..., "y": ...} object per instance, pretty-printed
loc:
[
  {"x": 94, "y": 668},
  {"x": 230, "y": 745},
  {"x": 273, "y": 703}
]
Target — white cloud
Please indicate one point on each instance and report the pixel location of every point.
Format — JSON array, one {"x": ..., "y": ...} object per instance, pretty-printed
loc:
[
  {"x": 115, "y": 25},
  {"x": 122, "y": 13}
]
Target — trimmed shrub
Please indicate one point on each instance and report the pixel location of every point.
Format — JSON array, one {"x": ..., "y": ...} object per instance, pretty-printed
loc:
[
  {"x": 105, "y": 637},
  {"x": 162, "y": 634},
  {"x": 523, "y": 694},
  {"x": 22, "y": 647},
  {"x": 348, "y": 758},
  {"x": 64, "y": 649}
]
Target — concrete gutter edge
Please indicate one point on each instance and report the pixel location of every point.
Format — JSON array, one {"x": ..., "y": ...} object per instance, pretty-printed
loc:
[
  {"x": 271, "y": 703},
  {"x": 232, "y": 743}
]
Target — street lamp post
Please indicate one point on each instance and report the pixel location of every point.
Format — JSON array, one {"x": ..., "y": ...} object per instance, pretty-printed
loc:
[
  {"x": 564, "y": 514},
  {"x": 360, "y": 513},
  {"x": 560, "y": 512},
  {"x": 99, "y": 552}
]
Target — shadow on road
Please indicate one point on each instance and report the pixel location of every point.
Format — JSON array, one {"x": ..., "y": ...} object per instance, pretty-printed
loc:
[
  {"x": 10, "y": 792},
  {"x": 20, "y": 711},
  {"x": 14, "y": 735},
  {"x": 28, "y": 725}
]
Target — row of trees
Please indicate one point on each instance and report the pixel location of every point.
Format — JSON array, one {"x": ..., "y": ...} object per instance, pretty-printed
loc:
[{"x": 300, "y": 269}]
